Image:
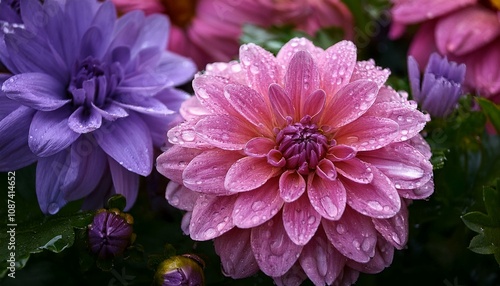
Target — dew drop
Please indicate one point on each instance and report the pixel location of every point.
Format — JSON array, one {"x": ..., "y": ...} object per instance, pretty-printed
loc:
[
  {"x": 356, "y": 244},
  {"x": 221, "y": 226},
  {"x": 396, "y": 239},
  {"x": 254, "y": 69},
  {"x": 53, "y": 208},
  {"x": 188, "y": 135},
  {"x": 224, "y": 136},
  {"x": 210, "y": 232},
  {"x": 311, "y": 220},
  {"x": 375, "y": 205},
  {"x": 367, "y": 243},
  {"x": 258, "y": 205},
  {"x": 328, "y": 205},
  {"x": 174, "y": 200},
  {"x": 340, "y": 228},
  {"x": 201, "y": 92}
]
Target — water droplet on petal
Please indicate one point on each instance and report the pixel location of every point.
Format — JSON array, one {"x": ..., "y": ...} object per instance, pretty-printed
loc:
[
  {"x": 188, "y": 135},
  {"x": 53, "y": 208},
  {"x": 328, "y": 205},
  {"x": 311, "y": 220},
  {"x": 254, "y": 69},
  {"x": 356, "y": 244},
  {"x": 396, "y": 238},
  {"x": 340, "y": 228},
  {"x": 375, "y": 205},
  {"x": 210, "y": 232}
]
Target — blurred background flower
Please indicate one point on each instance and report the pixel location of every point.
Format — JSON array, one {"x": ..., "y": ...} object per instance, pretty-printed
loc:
[
  {"x": 465, "y": 31},
  {"x": 307, "y": 159},
  {"x": 209, "y": 31},
  {"x": 88, "y": 103}
]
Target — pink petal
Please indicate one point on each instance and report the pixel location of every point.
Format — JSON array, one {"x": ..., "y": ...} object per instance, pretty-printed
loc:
[
  {"x": 211, "y": 217},
  {"x": 300, "y": 220},
  {"x": 259, "y": 146},
  {"x": 483, "y": 72},
  {"x": 206, "y": 172},
  {"x": 378, "y": 199},
  {"x": 394, "y": 229},
  {"x": 295, "y": 45},
  {"x": 180, "y": 197},
  {"x": 258, "y": 206},
  {"x": 403, "y": 164},
  {"x": 321, "y": 261},
  {"x": 419, "y": 193},
  {"x": 210, "y": 92},
  {"x": 231, "y": 70},
  {"x": 423, "y": 43},
  {"x": 315, "y": 103},
  {"x": 353, "y": 235},
  {"x": 367, "y": 70},
  {"x": 327, "y": 197},
  {"x": 250, "y": 105},
  {"x": 292, "y": 185},
  {"x": 224, "y": 131},
  {"x": 336, "y": 65},
  {"x": 280, "y": 102},
  {"x": 184, "y": 134},
  {"x": 410, "y": 120},
  {"x": 340, "y": 153},
  {"x": 466, "y": 30},
  {"x": 350, "y": 102},
  {"x": 260, "y": 66},
  {"x": 191, "y": 108},
  {"x": 384, "y": 253},
  {"x": 301, "y": 79},
  {"x": 172, "y": 162},
  {"x": 233, "y": 249},
  {"x": 421, "y": 145},
  {"x": 293, "y": 277},
  {"x": 355, "y": 170},
  {"x": 248, "y": 173},
  {"x": 414, "y": 11},
  {"x": 326, "y": 170},
  {"x": 274, "y": 251},
  {"x": 368, "y": 133}
]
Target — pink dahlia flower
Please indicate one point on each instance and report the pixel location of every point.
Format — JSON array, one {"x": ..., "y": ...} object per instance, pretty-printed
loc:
[
  {"x": 208, "y": 30},
  {"x": 300, "y": 165},
  {"x": 465, "y": 31}
]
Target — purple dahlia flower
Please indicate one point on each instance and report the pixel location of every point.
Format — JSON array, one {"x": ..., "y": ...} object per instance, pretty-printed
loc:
[
  {"x": 90, "y": 97},
  {"x": 441, "y": 86},
  {"x": 300, "y": 165},
  {"x": 10, "y": 12}
]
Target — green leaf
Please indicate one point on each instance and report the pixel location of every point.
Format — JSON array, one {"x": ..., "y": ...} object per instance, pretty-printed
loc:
[
  {"x": 492, "y": 111},
  {"x": 117, "y": 202},
  {"x": 271, "y": 39},
  {"x": 480, "y": 244},
  {"x": 491, "y": 197},
  {"x": 477, "y": 221},
  {"x": 55, "y": 233}
]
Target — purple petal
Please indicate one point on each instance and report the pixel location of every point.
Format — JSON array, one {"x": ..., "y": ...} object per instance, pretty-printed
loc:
[
  {"x": 143, "y": 104},
  {"x": 414, "y": 77},
  {"x": 36, "y": 90},
  {"x": 300, "y": 220},
  {"x": 87, "y": 165},
  {"x": 174, "y": 69},
  {"x": 274, "y": 251},
  {"x": 14, "y": 127},
  {"x": 111, "y": 111},
  {"x": 49, "y": 132},
  {"x": 172, "y": 162},
  {"x": 85, "y": 120},
  {"x": 233, "y": 249},
  {"x": 134, "y": 153},
  {"x": 378, "y": 199},
  {"x": 211, "y": 217},
  {"x": 248, "y": 173},
  {"x": 125, "y": 183},
  {"x": 384, "y": 253},
  {"x": 206, "y": 172},
  {"x": 258, "y": 206},
  {"x": 293, "y": 277},
  {"x": 50, "y": 173},
  {"x": 350, "y": 102},
  {"x": 225, "y": 132},
  {"x": 354, "y": 235},
  {"x": 394, "y": 229},
  {"x": 104, "y": 190},
  {"x": 92, "y": 44},
  {"x": 327, "y": 197},
  {"x": 292, "y": 185},
  {"x": 301, "y": 78},
  {"x": 368, "y": 133}
]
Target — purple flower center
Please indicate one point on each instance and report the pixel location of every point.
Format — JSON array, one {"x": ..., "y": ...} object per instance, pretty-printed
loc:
[
  {"x": 302, "y": 144},
  {"x": 92, "y": 81}
]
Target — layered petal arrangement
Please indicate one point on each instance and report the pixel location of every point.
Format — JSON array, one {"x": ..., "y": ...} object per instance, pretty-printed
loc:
[
  {"x": 89, "y": 101},
  {"x": 465, "y": 31},
  {"x": 208, "y": 31},
  {"x": 301, "y": 165},
  {"x": 441, "y": 86}
]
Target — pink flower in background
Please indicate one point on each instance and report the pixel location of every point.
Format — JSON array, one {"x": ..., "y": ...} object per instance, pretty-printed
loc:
[
  {"x": 301, "y": 165},
  {"x": 209, "y": 30},
  {"x": 466, "y": 31}
]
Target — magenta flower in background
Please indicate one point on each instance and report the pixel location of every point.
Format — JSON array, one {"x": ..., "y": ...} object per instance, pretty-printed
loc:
[
  {"x": 301, "y": 165},
  {"x": 90, "y": 97},
  {"x": 208, "y": 30},
  {"x": 465, "y": 31},
  {"x": 441, "y": 86}
]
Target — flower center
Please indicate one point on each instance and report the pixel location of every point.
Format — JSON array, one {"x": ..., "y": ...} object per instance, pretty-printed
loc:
[
  {"x": 302, "y": 144},
  {"x": 92, "y": 81},
  {"x": 180, "y": 12}
]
